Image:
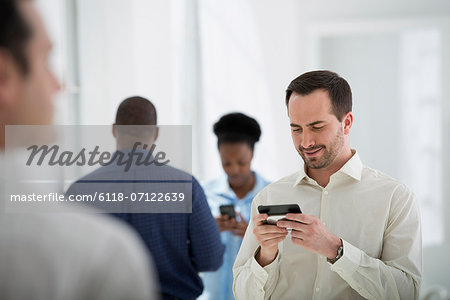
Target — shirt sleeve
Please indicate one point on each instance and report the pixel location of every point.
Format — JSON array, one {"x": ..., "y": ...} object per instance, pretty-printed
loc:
[
  {"x": 397, "y": 273},
  {"x": 251, "y": 281},
  {"x": 206, "y": 246}
]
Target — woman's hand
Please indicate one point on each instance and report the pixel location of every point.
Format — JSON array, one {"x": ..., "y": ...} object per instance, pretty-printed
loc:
[
  {"x": 226, "y": 223},
  {"x": 241, "y": 227}
]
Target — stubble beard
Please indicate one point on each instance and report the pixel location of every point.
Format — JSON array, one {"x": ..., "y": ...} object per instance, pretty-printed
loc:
[{"x": 329, "y": 155}]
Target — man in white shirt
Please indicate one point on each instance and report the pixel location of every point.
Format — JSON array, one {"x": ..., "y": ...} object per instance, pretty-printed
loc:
[
  {"x": 359, "y": 235},
  {"x": 76, "y": 255}
]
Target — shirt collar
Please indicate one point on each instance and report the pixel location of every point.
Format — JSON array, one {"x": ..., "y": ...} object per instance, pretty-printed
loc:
[
  {"x": 301, "y": 175},
  {"x": 224, "y": 188},
  {"x": 353, "y": 168}
]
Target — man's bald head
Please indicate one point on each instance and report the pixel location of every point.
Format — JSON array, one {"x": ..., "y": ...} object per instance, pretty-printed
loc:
[{"x": 136, "y": 111}]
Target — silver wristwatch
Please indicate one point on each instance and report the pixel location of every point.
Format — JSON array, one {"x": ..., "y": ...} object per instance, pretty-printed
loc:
[{"x": 340, "y": 252}]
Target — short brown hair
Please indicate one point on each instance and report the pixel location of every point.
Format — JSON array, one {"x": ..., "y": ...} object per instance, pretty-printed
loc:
[
  {"x": 15, "y": 33},
  {"x": 337, "y": 87}
]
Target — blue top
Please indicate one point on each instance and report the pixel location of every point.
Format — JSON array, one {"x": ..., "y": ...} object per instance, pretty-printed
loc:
[
  {"x": 219, "y": 284},
  {"x": 182, "y": 244}
]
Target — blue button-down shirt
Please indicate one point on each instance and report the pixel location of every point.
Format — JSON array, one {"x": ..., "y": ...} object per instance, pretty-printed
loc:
[{"x": 218, "y": 285}]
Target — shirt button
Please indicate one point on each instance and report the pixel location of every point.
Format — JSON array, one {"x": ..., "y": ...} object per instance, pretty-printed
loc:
[
  {"x": 317, "y": 289},
  {"x": 325, "y": 193}
]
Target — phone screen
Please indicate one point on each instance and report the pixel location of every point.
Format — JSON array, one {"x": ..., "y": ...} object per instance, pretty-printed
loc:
[{"x": 228, "y": 210}]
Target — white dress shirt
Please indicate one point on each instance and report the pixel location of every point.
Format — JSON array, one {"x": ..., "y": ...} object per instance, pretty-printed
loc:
[
  {"x": 377, "y": 219},
  {"x": 75, "y": 255}
]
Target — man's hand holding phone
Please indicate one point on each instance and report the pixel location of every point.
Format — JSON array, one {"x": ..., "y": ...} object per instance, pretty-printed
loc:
[
  {"x": 307, "y": 231},
  {"x": 268, "y": 236},
  {"x": 267, "y": 233},
  {"x": 310, "y": 233}
]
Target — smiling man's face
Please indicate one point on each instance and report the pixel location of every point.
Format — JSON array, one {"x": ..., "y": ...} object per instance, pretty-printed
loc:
[{"x": 317, "y": 134}]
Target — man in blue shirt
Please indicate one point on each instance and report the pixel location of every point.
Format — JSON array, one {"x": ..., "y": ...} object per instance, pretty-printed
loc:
[{"x": 182, "y": 244}]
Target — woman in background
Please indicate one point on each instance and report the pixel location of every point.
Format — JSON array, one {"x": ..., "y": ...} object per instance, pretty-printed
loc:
[{"x": 236, "y": 137}]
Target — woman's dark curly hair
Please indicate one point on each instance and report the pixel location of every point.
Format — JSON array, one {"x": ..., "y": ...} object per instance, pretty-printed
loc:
[{"x": 237, "y": 128}]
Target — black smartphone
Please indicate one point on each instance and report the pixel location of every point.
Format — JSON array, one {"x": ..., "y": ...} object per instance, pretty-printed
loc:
[
  {"x": 228, "y": 210},
  {"x": 278, "y": 212}
]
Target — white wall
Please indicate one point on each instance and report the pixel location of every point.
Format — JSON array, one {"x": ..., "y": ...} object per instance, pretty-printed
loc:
[{"x": 125, "y": 49}]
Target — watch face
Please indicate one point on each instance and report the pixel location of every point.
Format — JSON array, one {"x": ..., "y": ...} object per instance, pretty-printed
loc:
[{"x": 340, "y": 252}]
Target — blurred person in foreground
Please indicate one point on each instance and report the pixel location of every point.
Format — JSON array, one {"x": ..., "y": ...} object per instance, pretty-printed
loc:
[
  {"x": 77, "y": 255},
  {"x": 182, "y": 244},
  {"x": 359, "y": 235},
  {"x": 237, "y": 135}
]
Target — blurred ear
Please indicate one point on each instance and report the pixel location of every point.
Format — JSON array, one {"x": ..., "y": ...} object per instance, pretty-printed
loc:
[
  {"x": 252, "y": 151},
  {"x": 156, "y": 134},
  {"x": 348, "y": 122},
  {"x": 113, "y": 130},
  {"x": 9, "y": 74},
  {"x": 3, "y": 77}
]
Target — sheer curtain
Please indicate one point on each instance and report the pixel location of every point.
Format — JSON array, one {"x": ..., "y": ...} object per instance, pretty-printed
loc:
[
  {"x": 234, "y": 78},
  {"x": 421, "y": 125}
]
